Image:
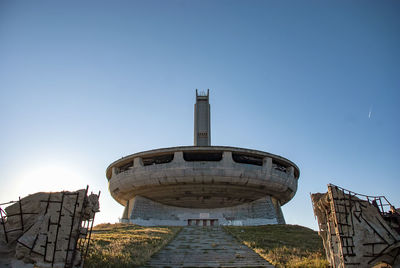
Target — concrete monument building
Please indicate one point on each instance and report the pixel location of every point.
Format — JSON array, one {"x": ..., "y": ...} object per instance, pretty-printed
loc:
[{"x": 202, "y": 184}]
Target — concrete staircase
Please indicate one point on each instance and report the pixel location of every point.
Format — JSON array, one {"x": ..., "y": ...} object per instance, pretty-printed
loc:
[{"x": 206, "y": 247}]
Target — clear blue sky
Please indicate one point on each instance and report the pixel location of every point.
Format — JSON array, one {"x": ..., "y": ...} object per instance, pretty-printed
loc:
[{"x": 83, "y": 83}]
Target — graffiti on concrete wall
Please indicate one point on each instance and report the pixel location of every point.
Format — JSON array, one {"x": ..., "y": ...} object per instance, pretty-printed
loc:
[
  {"x": 47, "y": 229},
  {"x": 357, "y": 230}
]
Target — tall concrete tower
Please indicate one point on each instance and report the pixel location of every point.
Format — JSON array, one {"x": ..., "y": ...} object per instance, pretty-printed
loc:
[{"x": 202, "y": 129}]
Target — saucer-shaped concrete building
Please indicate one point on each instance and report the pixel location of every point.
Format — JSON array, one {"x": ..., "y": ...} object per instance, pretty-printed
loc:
[{"x": 202, "y": 184}]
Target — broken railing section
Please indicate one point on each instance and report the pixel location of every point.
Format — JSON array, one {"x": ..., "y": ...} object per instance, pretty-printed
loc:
[
  {"x": 357, "y": 230},
  {"x": 48, "y": 229}
]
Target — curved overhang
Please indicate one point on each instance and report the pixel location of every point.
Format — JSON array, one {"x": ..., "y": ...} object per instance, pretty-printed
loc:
[
  {"x": 203, "y": 177},
  {"x": 162, "y": 151}
]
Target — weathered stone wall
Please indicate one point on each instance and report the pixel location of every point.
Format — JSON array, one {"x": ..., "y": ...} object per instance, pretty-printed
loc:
[
  {"x": 43, "y": 229},
  {"x": 355, "y": 232},
  {"x": 146, "y": 212}
]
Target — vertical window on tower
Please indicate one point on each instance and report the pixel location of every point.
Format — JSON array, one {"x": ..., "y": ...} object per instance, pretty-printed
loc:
[{"x": 203, "y": 134}]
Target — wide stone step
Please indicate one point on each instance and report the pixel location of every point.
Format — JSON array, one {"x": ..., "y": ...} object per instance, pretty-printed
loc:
[{"x": 206, "y": 247}]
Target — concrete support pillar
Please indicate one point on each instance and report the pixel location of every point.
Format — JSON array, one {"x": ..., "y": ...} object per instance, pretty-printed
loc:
[
  {"x": 178, "y": 157},
  {"x": 227, "y": 157},
  {"x": 125, "y": 215},
  {"x": 290, "y": 171},
  {"x": 113, "y": 171},
  {"x": 267, "y": 164},
  {"x": 137, "y": 162},
  {"x": 279, "y": 214},
  {"x": 131, "y": 204}
]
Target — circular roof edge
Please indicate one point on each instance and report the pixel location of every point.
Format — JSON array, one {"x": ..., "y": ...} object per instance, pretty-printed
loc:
[{"x": 130, "y": 157}]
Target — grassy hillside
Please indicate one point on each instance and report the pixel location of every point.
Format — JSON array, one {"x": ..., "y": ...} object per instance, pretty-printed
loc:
[
  {"x": 283, "y": 245},
  {"x": 126, "y": 245}
]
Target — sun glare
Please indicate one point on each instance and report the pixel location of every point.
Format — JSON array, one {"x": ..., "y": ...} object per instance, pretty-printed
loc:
[{"x": 49, "y": 177}]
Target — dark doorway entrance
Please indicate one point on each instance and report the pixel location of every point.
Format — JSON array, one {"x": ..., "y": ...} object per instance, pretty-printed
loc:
[{"x": 201, "y": 222}]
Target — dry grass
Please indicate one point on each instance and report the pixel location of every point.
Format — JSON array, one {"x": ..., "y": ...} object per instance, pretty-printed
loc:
[
  {"x": 283, "y": 245},
  {"x": 126, "y": 245}
]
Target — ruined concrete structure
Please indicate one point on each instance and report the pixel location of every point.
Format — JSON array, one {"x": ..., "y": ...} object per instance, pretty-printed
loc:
[
  {"x": 202, "y": 184},
  {"x": 47, "y": 229},
  {"x": 357, "y": 230}
]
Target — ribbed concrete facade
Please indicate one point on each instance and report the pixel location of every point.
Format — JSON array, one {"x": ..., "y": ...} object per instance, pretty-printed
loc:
[{"x": 143, "y": 211}]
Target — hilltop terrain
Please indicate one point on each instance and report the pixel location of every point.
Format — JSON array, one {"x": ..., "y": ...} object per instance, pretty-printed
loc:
[{"x": 123, "y": 245}]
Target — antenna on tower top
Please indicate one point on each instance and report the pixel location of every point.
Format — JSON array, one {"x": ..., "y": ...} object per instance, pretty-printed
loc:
[{"x": 202, "y": 93}]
